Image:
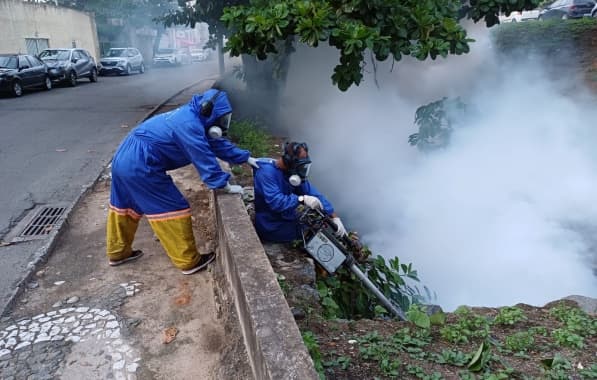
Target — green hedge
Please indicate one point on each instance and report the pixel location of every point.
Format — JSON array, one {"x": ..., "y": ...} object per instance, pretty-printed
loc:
[{"x": 545, "y": 36}]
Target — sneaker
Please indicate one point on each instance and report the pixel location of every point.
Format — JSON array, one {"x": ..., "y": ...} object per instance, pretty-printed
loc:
[
  {"x": 134, "y": 256},
  {"x": 202, "y": 264}
]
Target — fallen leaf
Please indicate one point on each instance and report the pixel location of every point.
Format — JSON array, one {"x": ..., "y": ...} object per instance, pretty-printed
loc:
[
  {"x": 170, "y": 334},
  {"x": 185, "y": 294},
  {"x": 60, "y": 150}
]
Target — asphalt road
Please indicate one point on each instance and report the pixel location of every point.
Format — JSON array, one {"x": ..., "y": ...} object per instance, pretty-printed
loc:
[{"x": 54, "y": 143}]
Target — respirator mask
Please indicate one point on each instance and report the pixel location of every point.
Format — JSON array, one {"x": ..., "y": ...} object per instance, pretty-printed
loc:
[
  {"x": 221, "y": 125},
  {"x": 298, "y": 168},
  {"x": 220, "y": 128}
]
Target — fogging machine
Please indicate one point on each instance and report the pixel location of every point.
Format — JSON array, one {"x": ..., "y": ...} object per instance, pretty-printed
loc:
[{"x": 331, "y": 252}]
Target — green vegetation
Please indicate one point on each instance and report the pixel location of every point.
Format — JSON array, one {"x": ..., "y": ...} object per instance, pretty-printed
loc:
[
  {"x": 576, "y": 326},
  {"x": 510, "y": 316},
  {"x": 310, "y": 341},
  {"x": 387, "y": 29},
  {"x": 344, "y": 296},
  {"x": 453, "y": 357},
  {"x": 250, "y": 135},
  {"x": 284, "y": 285},
  {"x": 436, "y": 122},
  {"x": 342, "y": 362},
  {"x": 478, "y": 349},
  {"x": 467, "y": 326},
  {"x": 520, "y": 342},
  {"x": 544, "y": 36}
]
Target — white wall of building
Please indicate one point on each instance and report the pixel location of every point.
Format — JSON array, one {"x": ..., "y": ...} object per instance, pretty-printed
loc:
[{"x": 38, "y": 22}]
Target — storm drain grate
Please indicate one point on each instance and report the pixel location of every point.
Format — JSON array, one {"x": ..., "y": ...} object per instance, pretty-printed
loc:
[{"x": 43, "y": 222}]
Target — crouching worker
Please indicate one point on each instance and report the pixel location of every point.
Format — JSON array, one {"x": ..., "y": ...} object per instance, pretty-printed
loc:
[
  {"x": 140, "y": 186},
  {"x": 281, "y": 185}
]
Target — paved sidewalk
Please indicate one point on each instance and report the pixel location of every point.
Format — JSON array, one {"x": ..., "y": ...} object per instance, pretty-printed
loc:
[{"x": 82, "y": 319}]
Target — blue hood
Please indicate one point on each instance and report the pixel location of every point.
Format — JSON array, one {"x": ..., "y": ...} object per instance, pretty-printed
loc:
[{"x": 221, "y": 106}]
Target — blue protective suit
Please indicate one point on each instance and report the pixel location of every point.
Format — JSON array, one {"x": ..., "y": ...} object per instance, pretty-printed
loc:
[
  {"x": 276, "y": 201},
  {"x": 165, "y": 142}
]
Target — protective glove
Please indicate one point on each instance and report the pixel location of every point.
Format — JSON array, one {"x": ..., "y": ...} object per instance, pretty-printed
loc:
[
  {"x": 253, "y": 162},
  {"x": 233, "y": 189},
  {"x": 312, "y": 202},
  {"x": 341, "y": 230}
]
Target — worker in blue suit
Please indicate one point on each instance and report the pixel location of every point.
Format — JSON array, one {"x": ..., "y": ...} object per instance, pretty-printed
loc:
[
  {"x": 193, "y": 133},
  {"x": 281, "y": 185}
]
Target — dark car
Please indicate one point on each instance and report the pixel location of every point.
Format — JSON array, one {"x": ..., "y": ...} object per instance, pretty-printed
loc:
[
  {"x": 565, "y": 9},
  {"x": 21, "y": 71},
  {"x": 68, "y": 65}
]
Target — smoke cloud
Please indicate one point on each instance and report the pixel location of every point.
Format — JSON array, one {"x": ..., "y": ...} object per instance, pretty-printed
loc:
[{"x": 506, "y": 214}]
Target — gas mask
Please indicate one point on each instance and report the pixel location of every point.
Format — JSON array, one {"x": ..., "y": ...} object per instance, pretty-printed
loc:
[
  {"x": 220, "y": 128},
  {"x": 298, "y": 168},
  {"x": 299, "y": 172}
]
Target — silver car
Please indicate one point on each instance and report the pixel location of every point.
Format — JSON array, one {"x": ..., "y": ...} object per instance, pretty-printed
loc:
[
  {"x": 122, "y": 61},
  {"x": 68, "y": 65}
]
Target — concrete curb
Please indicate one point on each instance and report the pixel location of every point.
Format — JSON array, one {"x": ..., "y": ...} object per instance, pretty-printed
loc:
[
  {"x": 272, "y": 339},
  {"x": 42, "y": 253}
]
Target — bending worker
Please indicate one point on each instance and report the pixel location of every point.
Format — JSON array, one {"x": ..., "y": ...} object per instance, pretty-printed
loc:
[
  {"x": 140, "y": 186},
  {"x": 281, "y": 185}
]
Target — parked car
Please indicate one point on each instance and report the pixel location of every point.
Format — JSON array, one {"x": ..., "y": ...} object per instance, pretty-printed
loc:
[
  {"x": 566, "y": 9},
  {"x": 122, "y": 61},
  {"x": 22, "y": 71},
  {"x": 185, "y": 55},
  {"x": 68, "y": 65},
  {"x": 170, "y": 57},
  {"x": 594, "y": 11},
  {"x": 520, "y": 16},
  {"x": 198, "y": 55}
]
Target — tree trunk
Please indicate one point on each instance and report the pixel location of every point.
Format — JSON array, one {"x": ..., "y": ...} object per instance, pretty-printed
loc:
[
  {"x": 158, "y": 38},
  {"x": 220, "y": 44}
]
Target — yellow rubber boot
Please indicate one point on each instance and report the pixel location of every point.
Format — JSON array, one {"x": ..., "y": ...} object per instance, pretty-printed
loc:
[
  {"x": 120, "y": 232},
  {"x": 176, "y": 235}
]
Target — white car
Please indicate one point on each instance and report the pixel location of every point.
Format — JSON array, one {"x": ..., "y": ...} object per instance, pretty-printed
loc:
[
  {"x": 170, "y": 57},
  {"x": 520, "y": 16},
  {"x": 198, "y": 55}
]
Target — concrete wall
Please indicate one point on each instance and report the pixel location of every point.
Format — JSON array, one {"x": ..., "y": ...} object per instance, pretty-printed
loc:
[
  {"x": 272, "y": 338},
  {"x": 61, "y": 26}
]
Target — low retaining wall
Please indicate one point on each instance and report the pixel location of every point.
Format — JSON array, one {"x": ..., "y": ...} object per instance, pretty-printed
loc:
[{"x": 272, "y": 339}]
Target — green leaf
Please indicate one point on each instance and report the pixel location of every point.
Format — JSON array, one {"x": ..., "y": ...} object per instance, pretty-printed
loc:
[
  {"x": 438, "y": 318},
  {"x": 476, "y": 363},
  {"x": 418, "y": 317},
  {"x": 379, "y": 310}
]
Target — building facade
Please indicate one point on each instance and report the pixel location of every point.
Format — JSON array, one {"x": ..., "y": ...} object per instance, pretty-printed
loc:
[{"x": 28, "y": 27}]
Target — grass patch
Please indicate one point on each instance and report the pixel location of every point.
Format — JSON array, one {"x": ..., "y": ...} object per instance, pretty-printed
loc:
[{"x": 250, "y": 135}]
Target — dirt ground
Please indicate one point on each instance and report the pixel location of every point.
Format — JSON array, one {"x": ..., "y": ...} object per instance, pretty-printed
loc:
[
  {"x": 382, "y": 349},
  {"x": 150, "y": 299}
]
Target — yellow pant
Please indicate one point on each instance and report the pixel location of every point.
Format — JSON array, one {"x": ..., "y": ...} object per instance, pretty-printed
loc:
[{"x": 174, "y": 229}]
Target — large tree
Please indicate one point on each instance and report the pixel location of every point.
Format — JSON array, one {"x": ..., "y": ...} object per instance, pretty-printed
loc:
[
  {"x": 190, "y": 13},
  {"x": 134, "y": 13},
  {"x": 386, "y": 28}
]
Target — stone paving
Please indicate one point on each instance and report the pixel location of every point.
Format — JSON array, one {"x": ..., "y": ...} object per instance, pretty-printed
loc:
[{"x": 36, "y": 347}]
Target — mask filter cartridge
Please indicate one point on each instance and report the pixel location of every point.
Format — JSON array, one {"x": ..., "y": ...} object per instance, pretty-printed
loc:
[
  {"x": 295, "y": 180},
  {"x": 215, "y": 132}
]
